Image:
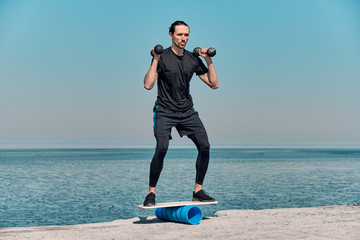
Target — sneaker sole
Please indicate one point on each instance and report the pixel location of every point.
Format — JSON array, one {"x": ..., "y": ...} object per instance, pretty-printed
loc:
[
  {"x": 150, "y": 205},
  {"x": 200, "y": 200}
]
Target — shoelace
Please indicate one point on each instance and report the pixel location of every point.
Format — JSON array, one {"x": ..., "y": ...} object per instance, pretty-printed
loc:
[{"x": 203, "y": 193}]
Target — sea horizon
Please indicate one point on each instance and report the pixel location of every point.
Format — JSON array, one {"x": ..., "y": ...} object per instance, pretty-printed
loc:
[{"x": 177, "y": 145}]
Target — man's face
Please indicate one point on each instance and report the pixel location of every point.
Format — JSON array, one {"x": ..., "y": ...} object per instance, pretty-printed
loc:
[{"x": 180, "y": 36}]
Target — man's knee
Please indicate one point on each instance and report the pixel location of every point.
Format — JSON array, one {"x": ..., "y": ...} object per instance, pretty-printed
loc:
[
  {"x": 162, "y": 143},
  {"x": 208, "y": 146},
  {"x": 205, "y": 146},
  {"x": 201, "y": 141},
  {"x": 162, "y": 148}
]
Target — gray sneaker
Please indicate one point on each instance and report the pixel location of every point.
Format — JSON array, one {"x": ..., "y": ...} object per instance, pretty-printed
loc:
[{"x": 149, "y": 200}]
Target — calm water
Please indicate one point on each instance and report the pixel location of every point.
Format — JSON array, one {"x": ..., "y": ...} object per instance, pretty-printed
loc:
[{"x": 74, "y": 186}]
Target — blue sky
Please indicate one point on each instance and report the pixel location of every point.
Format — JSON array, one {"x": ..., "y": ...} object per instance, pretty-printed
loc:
[{"x": 72, "y": 71}]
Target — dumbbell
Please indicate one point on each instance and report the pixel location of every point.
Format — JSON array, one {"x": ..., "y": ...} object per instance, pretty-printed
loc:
[
  {"x": 158, "y": 49},
  {"x": 210, "y": 52}
]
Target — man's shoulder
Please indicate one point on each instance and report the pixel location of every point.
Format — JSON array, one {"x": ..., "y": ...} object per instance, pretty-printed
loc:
[
  {"x": 166, "y": 55},
  {"x": 189, "y": 54},
  {"x": 166, "y": 51}
]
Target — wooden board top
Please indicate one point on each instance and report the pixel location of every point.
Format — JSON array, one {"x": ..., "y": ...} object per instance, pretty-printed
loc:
[{"x": 176, "y": 204}]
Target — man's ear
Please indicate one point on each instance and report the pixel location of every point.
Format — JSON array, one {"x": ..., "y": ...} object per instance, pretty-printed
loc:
[{"x": 171, "y": 35}]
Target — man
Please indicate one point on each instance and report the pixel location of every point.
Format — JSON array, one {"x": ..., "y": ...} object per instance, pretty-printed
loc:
[{"x": 174, "y": 69}]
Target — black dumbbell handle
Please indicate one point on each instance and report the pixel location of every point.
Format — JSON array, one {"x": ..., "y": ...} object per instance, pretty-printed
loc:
[{"x": 210, "y": 52}]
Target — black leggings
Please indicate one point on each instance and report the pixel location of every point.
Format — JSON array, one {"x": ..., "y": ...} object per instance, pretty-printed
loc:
[{"x": 202, "y": 162}]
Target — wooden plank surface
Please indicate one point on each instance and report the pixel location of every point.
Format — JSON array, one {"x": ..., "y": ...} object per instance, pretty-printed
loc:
[{"x": 176, "y": 204}]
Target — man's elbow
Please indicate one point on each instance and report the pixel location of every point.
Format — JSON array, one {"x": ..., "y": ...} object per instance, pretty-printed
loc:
[
  {"x": 148, "y": 87},
  {"x": 147, "y": 84},
  {"x": 216, "y": 86}
]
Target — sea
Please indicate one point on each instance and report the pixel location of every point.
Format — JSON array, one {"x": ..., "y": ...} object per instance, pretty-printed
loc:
[{"x": 41, "y": 187}]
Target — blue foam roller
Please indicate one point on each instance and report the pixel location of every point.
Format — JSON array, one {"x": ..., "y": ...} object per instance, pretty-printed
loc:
[{"x": 186, "y": 214}]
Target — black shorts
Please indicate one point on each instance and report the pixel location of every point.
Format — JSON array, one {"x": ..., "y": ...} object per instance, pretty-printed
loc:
[{"x": 186, "y": 123}]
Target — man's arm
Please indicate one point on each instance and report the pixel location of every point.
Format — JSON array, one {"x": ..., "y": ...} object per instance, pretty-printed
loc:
[
  {"x": 151, "y": 75},
  {"x": 210, "y": 78}
]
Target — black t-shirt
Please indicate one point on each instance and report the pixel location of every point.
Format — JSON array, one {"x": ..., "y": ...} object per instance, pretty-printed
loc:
[{"x": 174, "y": 75}]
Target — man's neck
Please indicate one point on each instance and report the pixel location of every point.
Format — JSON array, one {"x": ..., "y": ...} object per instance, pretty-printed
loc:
[{"x": 177, "y": 51}]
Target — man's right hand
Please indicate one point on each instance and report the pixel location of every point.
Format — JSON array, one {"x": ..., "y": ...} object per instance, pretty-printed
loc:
[
  {"x": 156, "y": 56},
  {"x": 157, "y": 51}
]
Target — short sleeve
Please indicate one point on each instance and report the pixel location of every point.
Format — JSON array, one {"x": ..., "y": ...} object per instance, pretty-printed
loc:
[
  {"x": 158, "y": 66},
  {"x": 201, "y": 68}
]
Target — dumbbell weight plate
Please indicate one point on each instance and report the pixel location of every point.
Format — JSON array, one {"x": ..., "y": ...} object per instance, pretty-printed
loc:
[
  {"x": 211, "y": 52},
  {"x": 196, "y": 51},
  {"x": 158, "y": 49}
]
